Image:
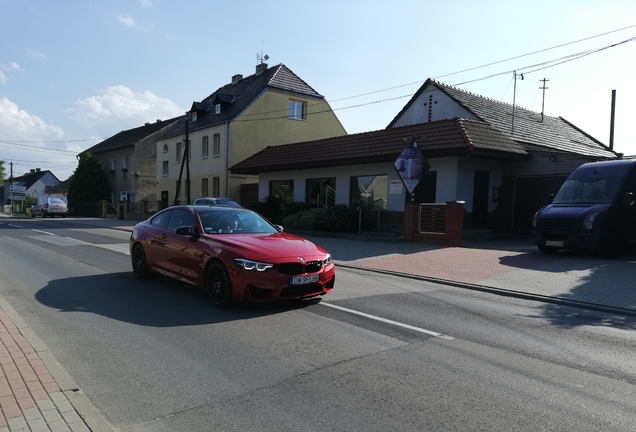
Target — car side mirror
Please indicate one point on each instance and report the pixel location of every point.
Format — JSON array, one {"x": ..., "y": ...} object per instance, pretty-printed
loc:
[
  {"x": 279, "y": 228},
  {"x": 190, "y": 231},
  {"x": 628, "y": 199}
]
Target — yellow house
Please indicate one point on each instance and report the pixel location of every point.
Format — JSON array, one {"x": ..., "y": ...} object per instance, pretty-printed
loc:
[{"x": 272, "y": 107}]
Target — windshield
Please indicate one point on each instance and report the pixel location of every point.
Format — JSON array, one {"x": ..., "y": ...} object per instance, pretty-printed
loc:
[
  {"x": 588, "y": 191},
  {"x": 221, "y": 221}
]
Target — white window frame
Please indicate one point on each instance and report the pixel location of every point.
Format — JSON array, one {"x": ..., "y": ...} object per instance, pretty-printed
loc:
[
  {"x": 165, "y": 148},
  {"x": 193, "y": 116},
  {"x": 166, "y": 169},
  {"x": 124, "y": 163},
  {"x": 217, "y": 109},
  {"x": 216, "y": 145},
  {"x": 296, "y": 109},
  {"x": 205, "y": 147},
  {"x": 178, "y": 159},
  {"x": 112, "y": 164}
]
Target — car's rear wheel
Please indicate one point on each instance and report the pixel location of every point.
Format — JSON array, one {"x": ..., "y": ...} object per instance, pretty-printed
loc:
[
  {"x": 218, "y": 285},
  {"x": 139, "y": 262}
]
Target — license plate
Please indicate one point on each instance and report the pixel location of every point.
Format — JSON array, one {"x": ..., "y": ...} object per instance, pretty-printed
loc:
[
  {"x": 300, "y": 280},
  {"x": 554, "y": 243}
]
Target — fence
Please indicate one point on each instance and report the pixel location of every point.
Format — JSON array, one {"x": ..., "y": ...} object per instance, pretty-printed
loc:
[{"x": 434, "y": 223}]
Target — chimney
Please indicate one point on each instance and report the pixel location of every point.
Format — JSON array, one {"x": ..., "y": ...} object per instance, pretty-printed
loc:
[
  {"x": 37, "y": 170},
  {"x": 260, "y": 68},
  {"x": 236, "y": 78},
  {"x": 32, "y": 170}
]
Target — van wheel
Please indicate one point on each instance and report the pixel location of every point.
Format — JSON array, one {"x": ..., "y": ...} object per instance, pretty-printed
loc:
[{"x": 548, "y": 250}]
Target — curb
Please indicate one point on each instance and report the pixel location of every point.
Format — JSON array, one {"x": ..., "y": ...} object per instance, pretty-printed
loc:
[{"x": 499, "y": 291}]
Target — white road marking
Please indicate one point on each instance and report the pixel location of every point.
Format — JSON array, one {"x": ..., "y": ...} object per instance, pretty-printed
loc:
[
  {"x": 43, "y": 232},
  {"x": 387, "y": 321},
  {"x": 119, "y": 247},
  {"x": 15, "y": 226}
]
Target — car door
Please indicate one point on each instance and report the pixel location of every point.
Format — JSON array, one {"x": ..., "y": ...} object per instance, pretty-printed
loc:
[
  {"x": 155, "y": 244},
  {"x": 184, "y": 255}
]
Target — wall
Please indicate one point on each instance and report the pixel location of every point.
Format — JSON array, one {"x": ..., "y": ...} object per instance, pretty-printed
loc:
[{"x": 443, "y": 108}]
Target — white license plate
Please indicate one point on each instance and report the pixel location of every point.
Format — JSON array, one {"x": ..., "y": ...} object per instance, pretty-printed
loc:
[
  {"x": 300, "y": 280},
  {"x": 554, "y": 243}
]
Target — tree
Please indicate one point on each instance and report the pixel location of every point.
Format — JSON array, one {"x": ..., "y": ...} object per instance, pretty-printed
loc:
[
  {"x": 88, "y": 182},
  {"x": 1, "y": 172}
]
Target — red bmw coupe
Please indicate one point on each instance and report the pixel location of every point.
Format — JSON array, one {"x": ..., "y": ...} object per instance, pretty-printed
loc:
[{"x": 234, "y": 254}]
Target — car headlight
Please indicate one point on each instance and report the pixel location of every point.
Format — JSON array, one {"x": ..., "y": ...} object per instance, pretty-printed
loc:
[
  {"x": 250, "y": 265},
  {"x": 588, "y": 222},
  {"x": 327, "y": 260}
]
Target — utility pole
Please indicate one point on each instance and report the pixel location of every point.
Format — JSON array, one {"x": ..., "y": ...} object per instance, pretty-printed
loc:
[
  {"x": 544, "y": 88},
  {"x": 514, "y": 97},
  {"x": 184, "y": 161},
  {"x": 11, "y": 181}
]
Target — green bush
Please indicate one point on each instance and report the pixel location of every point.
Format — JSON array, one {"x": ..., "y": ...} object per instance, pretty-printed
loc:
[{"x": 333, "y": 219}]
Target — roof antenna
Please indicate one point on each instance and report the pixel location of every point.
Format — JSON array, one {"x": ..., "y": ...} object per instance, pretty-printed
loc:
[{"x": 260, "y": 57}]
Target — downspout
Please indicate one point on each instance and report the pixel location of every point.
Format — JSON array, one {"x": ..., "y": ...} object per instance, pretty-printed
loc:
[{"x": 227, "y": 159}]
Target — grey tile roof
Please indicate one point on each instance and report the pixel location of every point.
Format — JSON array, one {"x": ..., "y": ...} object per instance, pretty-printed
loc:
[
  {"x": 129, "y": 137},
  {"x": 554, "y": 133},
  {"x": 234, "y": 98},
  {"x": 441, "y": 138},
  {"x": 29, "y": 179}
]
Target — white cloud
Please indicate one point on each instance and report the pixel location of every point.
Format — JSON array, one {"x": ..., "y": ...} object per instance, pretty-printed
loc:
[
  {"x": 145, "y": 3},
  {"x": 36, "y": 55},
  {"x": 19, "y": 125},
  {"x": 127, "y": 20},
  {"x": 119, "y": 108},
  {"x": 3, "y": 78},
  {"x": 15, "y": 66}
]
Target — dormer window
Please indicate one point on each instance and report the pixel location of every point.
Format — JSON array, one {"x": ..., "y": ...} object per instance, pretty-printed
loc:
[
  {"x": 217, "y": 109},
  {"x": 193, "y": 116}
]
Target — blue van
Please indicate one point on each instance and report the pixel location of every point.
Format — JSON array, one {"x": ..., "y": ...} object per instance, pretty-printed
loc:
[{"x": 593, "y": 211}]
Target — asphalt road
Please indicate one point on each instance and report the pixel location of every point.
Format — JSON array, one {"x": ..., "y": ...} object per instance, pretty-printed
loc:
[{"x": 378, "y": 353}]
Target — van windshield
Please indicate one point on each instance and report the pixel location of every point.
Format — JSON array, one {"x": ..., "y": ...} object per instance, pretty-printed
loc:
[{"x": 588, "y": 191}]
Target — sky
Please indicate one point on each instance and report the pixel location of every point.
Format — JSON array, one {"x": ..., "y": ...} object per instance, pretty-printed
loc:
[{"x": 75, "y": 72}]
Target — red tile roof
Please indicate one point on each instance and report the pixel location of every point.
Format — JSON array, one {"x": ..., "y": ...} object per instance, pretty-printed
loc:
[{"x": 441, "y": 138}]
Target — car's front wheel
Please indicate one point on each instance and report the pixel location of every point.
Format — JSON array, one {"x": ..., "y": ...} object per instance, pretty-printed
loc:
[
  {"x": 218, "y": 285},
  {"x": 139, "y": 262}
]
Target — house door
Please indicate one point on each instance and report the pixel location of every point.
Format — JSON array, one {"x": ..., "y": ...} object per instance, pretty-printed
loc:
[
  {"x": 480, "y": 197},
  {"x": 164, "y": 200}
]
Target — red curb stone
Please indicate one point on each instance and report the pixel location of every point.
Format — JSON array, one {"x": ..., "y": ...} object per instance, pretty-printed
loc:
[
  {"x": 7, "y": 402},
  {"x": 21, "y": 393},
  {"x": 34, "y": 386},
  {"x": 5, "y": 391},
  {"x": 29, "y": 377},
  {"x": 17, "y": 383}
]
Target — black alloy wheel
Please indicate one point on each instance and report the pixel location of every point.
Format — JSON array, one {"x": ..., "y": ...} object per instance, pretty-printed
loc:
[
  {"x": 218, "y": 285},
  {"x": 139, "y": 263}
]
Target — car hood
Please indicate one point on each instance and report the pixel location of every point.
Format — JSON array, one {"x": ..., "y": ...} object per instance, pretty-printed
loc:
[
  {"x": 269, "y": 246},
  {"x": 572, "y": 210}
]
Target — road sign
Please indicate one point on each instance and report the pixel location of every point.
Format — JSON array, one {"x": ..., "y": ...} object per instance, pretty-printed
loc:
[
  {"x": 17, "y": 196},
  {"x": 17, "y": 188},
  {"x": 411, "y": 165}
]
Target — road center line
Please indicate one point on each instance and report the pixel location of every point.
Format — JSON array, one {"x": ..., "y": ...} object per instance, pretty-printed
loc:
[
  {"x": 16, "y": 226},
  {"x": 387, "y": 321}
]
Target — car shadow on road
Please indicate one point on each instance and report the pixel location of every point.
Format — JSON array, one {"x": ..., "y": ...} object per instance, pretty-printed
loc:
[{"x": 158, "y": 302}]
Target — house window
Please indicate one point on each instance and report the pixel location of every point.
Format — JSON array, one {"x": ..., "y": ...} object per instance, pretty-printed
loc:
[
  {"x": 368, "y": 189},
  {"x": 296, "y": 110},
  {"x": 204, "y": 187},
  {"x": 193, "y": 116},
  {"x": 283, "y": 190},
  {"x": 216, "y": 186},
  {"x": 320, "y": 192},
  {"x": 178, "y": 152},
  {"x": 124, "y": 164},
  {"x": 165, "y": 148},
  {"x": 217, "y": 109},
  {"x": 204, "y": 147},
  {"x": 112, "y": 165},
  {"x": 216, "y": 145},
  {"x": 165, "y": 168}
]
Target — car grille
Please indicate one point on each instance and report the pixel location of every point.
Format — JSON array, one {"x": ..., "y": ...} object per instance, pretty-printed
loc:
[
  {"x": 301, "y": 291},
  {"x": 562, "y": 225},
  {"x": 297, "y": 268}
]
